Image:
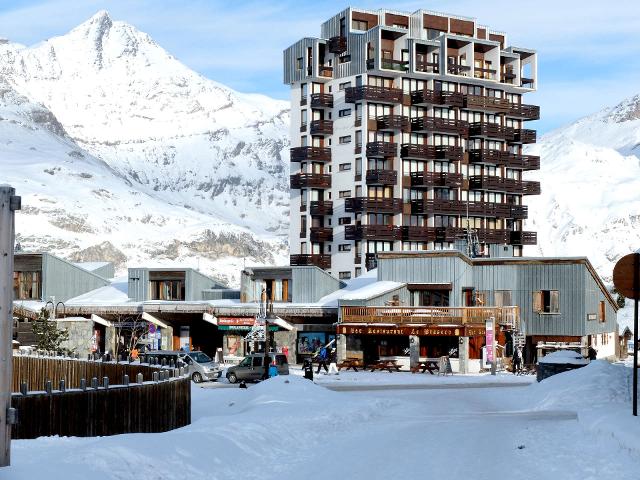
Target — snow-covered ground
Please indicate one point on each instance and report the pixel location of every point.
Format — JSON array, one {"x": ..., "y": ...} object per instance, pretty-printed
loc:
[{"x": 576, "y": 425}]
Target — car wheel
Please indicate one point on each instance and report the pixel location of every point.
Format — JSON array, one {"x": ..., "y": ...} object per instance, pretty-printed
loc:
[
  {"x": 196, "y": 377},
  {"x": 232, "y": 378}
]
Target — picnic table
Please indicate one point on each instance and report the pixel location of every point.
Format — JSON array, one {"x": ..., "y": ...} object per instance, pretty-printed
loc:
[
  {"x": 348, "y": 363},
  {"x": 430, "y": 365},
  {"x": 385, "y": 365}
]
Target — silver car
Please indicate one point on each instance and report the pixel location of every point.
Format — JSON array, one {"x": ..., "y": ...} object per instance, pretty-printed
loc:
[{"x": 200, "y": 366}]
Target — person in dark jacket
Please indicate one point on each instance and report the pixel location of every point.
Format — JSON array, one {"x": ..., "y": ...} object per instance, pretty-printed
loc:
[
  {"x": 517, "y": 361},
  {"x": 323, "y": 355},
  {"x": 592, "y": 353}
]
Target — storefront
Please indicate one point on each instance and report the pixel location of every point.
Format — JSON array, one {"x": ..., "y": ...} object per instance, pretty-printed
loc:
[
  {"x": 310, "y": 342},
  {"x": 234, "y": 331}
]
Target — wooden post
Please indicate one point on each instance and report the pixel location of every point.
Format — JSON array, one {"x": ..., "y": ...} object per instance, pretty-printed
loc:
[{"x": 9, "y": 204}]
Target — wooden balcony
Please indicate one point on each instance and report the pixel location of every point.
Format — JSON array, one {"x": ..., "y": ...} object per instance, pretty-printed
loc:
[
  {"x": 393, "y": 64},
  {"x": 523, "y": 238},
  {"x": 484, "y": 155},
  {"x": 436, "y": 179},
  {"x": 525, "y": 162},
  {"x": 317, "y": 260},
  {"x": 325, "y": 71},
  {"x": 321, "y": 100},
  {"x": 491, "y": 130},
  {"x": 393, "y": 123},
  {"x": 519, "y": 212},
  {"x": 526, "y": 112},
  {"x": 321, "y": 127},
  {"x": 430, "y": 152},
  {"x": 459, "y": 316},
  {"x": 381, "y": 177},
  {"x": 440, "y": 125},
  {"x": 337, "y": 45},
  {"x": 500, "y": 184},
  {"x": 436, "y": 97},
  {"x": 372, "y": 232},
  {"x": 483, "y": 102},
  {"x": 527, "y": 82},
  {"x": 524, "y": 135},
  {"x": 321, "y": 234},
  {"x": 373, "y": 94},
  {"x": 310, "y": 180},
  {"x": 500, "y": 236},
  {"x": 310, "y": 154},
  {"x": 458, "y": 69},
  {"x": 427, "y": 67},
  {"x": 425, "y": 234},
  {"x": 382, "y": 149},
  {"x": 321, "y": 207},
  {"x": 374, "y": 205},
  {"x": 461, "y": 207},
  {"x": 507, "y": 76},
  {"x": 484, "y": 73}
]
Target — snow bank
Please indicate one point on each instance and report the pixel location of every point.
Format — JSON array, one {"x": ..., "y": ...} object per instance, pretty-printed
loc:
[{"x": 565, "y": 357}]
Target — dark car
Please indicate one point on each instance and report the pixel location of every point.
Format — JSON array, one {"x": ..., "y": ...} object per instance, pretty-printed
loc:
[{"x": 251, "y": 368}]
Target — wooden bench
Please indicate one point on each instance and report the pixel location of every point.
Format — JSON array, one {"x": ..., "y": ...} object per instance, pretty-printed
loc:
[
  {"x": 430, "y": 365},
  {"x": 348, "y": 363},
  {"x": 385, "y": 365}
]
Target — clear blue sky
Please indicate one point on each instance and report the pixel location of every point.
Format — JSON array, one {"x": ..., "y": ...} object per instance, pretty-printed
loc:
[{"x": 589, "y": 53}]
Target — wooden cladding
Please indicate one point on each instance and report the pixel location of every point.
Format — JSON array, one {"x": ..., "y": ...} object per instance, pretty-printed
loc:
[
  {"x": 390, "y": 20},
  {"x": 435, "y": 22},
  {"x": 317, "y": 260},
  {"x": 482, "y": 33},
  {"x": 370, "y": 19},
  {"x": 461, "y": 27},
  {"x": 497, "y": 38}
]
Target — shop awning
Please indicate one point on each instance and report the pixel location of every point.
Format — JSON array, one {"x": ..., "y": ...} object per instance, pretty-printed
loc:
[
  {"x": 150, "y": 318},
  {"x": 100, "y": 320},
  {"x": 207, "y": 317},
  {"x": 282, "y": 323}
]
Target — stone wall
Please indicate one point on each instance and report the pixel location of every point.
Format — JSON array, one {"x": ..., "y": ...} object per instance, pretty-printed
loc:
[{"x": 80, "y": 333}]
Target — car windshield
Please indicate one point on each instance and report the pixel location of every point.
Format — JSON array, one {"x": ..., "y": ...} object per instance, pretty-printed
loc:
[
  {"x": 246, "y": 362},
  {"x": 200, "y": 357}
]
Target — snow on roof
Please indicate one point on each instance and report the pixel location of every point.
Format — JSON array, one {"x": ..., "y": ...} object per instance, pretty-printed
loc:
[
  {"x": 91, "y": 266},
  {"x": 114, "y": 294},
  {"x": 564, "y": 357}
]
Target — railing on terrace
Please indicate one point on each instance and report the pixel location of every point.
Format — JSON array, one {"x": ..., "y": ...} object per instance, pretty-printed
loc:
[{"x": 509, "y": 316}]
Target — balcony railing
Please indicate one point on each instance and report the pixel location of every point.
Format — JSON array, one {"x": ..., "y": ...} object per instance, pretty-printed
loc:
[
  {"x": 436, "y": 97},
  {"x": 485, "y": 155},
  {"x": 321, "y": 100},
  {"x": 321, "y": 234},
  {"x": 507, "y": 76},
  {"x": 381, "y": 177},
  {"x": 500, "y": 184},
  {"x": 491, "y": 130},
  {"x": 523, "y": 135},
  {"x": 425, "y": 234},
  {"x": 484, "y": 73},
  {"x": 318, "y": 260},
  {"x": 443, "y": 125},
  {"x": 371, "y": 204},
  {"x": 312, "y": 154},
  {"x": 325, "y": 71},
  {"x": 430, "y": 152},
  {"x": 321, "y": 127},
  {"x": 397, "y": 65},
  {"x": 436, "y": 179},
  {"x": 527, "y": 112},
  {"x": 427, "y": 67},
  {"x": 483, "y": 102},
  {"x": 374, "y": 94},
  {"x": 382, "y": 149},
  {"x": 527, "y": 82},
  {"x": 523, "y": 238},
  {"x": 458, "y": 69},
  {"x": 393, "y": 122},
  {"x": 337, "y": 45},
  {"x": 310, "y": 180},
  {"x": 461, "y": 207},
  {"x": 459, "y": 316},
  {"x": 525, "y": 162},
  {"x": 321, "y": 207},
  {"x": 377, "y": 232}
]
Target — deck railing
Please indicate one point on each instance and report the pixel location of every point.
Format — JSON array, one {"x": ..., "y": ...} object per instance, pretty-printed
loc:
[{"x": 509, "y": 316}]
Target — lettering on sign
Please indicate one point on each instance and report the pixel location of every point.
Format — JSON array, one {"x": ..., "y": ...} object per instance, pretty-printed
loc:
[{"x": 434, "y": 331}]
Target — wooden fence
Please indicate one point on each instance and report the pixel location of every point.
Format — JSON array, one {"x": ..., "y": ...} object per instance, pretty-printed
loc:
[{"x": 97, "y": 398}]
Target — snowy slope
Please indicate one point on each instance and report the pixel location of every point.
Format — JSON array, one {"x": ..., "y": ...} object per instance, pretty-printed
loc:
[
  {"x": 590, "y": 176},
  {"x": 109, "y": 138}
]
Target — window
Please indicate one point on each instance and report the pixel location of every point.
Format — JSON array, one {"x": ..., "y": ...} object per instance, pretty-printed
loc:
[
  {"x": 546, "y": 301},
  {"x": 344, "y": 166},
  {"x": 344, "y": 85},
  {"x": 344, "y": 275},
  {"x": 358, "y": 271},
  {"x": 359, "y": 25},
  {"x": 344, "y": 193},
  {"x": 303, "y": 225},
  {"x": 299, "y": 63},
  {"x": 26, "y": 286},
  {"x": 502, "y": 298},
  {"x": 345, "y": 247},
  {"x": 344, "y": 59},
  {"x": 602, "y": 313},
  {"x": 344, "y": 221},
  {"x": 166, "y": 289},
  {"x": 344, "y": 113},
  {"x": 344, "y": 140}
]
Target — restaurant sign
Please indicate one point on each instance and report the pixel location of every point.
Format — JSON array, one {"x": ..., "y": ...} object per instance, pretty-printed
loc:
[
  {"x": 430, "y": 331},
  {"x": 247, "y": 321}
]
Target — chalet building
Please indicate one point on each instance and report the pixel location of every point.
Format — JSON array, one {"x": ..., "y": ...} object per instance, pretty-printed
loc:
[
  {"x": 437, "y": 303},
  {"x": 407, "y": 133}
]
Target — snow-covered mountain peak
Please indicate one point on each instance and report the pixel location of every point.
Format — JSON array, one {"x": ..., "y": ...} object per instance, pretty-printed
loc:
[{"x": 626, "y": 111}]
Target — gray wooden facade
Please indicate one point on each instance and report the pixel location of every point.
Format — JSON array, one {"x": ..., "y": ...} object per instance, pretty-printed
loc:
[
  {"x": 580, "y": 289},
  {"x": 60, "y": 279},
  {"x": 195, "y": 283}
]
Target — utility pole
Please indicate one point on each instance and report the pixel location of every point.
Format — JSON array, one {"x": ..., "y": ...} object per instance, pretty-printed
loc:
[{"x": 9, "y": 204}]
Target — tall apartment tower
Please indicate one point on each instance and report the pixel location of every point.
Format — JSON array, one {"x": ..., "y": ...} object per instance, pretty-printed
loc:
[{"x": 407, "y": 132}]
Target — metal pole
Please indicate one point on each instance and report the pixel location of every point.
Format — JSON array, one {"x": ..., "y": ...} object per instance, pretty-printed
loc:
[
  {"x": 9, "y": 203},
  {"x": 636, "y": 291},
  {"x": 494, "y": 366}
]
